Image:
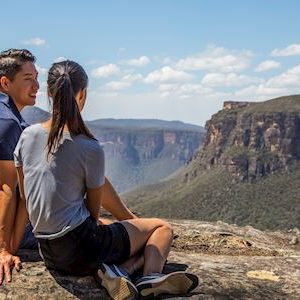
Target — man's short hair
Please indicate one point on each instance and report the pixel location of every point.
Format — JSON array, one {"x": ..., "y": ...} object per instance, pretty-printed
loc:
[{"x": 11, "y": 61}]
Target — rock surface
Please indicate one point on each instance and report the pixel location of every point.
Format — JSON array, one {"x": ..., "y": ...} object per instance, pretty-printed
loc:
[{"x": 231, "y": 263}]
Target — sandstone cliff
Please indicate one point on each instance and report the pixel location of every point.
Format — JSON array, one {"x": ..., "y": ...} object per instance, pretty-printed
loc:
[
  {"x": 253, "y": 140},
  {"x": 247, "y": 171},
  {"x": 231, "y": 263}
]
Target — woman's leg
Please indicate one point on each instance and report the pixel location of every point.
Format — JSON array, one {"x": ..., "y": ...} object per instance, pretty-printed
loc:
[{"x": 155, "y": 237}]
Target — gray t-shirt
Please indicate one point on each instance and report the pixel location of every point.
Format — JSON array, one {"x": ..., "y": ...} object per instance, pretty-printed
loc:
[{"x": 55, "y": 188}]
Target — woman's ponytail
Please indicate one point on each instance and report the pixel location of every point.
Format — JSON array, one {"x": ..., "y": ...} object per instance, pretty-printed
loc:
[{"x": 65, "y": 80}]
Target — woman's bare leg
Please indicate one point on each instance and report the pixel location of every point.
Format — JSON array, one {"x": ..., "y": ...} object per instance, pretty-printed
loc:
[{"x": 155, "y": 236}]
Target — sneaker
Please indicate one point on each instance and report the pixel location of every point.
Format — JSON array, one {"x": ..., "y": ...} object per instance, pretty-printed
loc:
[
  {"x": 117, "y": 282},
  {"x": 175, "y": 283}
]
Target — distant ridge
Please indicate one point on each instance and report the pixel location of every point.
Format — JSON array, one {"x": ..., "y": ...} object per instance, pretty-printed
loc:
[
  {"x": 35, "y": 114},
  {"x": 145, "y": 124}
]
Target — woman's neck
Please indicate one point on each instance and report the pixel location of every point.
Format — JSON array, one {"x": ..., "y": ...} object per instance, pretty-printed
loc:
[{"x": 48, "y": 123}]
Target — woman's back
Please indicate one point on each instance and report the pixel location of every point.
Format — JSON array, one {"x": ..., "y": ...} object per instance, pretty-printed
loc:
[{"x": 55, "y": 187}]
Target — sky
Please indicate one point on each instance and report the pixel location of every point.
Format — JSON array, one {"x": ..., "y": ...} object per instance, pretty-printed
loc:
[{"x": 162, "y": 59}]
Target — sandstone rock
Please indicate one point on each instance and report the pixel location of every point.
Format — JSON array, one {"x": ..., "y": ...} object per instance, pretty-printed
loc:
[
  {"x": 251, "y": 141},
  {"x": 231, "y": 262}
]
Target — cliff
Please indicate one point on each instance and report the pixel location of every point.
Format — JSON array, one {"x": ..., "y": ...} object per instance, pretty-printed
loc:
[
  {"x": 252, "y": 140},
  {"x": 231, "y": 263},
  {"x": 247, "y": 171}
]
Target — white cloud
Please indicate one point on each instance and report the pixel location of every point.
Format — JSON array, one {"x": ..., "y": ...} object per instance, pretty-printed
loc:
[
  {"x": 137, "y": 62},
  {"x": 116, "y": 85},
  {"x": 286, "y": 83},
  {"x": 185, "y": 90},
  {"x": 34, "y": 42},
  {"x": 41, "y": 70},
  {"x": 167, "y": 74},
  {"x": 228, "y": 79},
  {"x": 216, "y": 58},
  {"x": 290, "y": 78},
  {"x": 293, "y": 49},
  {"x": 267, "y": 65},
  {"x": 59, "y": 59},
  {"x": 105, "y": 71},
  {"x": 132, "y": 77}
]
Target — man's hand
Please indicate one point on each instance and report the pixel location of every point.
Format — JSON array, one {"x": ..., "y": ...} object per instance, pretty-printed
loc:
[{"x": 7, "y": 263}]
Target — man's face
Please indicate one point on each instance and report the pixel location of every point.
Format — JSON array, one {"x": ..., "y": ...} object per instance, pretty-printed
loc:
[{"x": 23, "y": 88}]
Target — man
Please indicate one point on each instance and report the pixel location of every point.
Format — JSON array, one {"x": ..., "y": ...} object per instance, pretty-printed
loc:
[{"x": 18, "y": 88}]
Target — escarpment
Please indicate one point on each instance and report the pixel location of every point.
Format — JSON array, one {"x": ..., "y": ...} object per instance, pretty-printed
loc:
[{"x": 254, "y": 139}]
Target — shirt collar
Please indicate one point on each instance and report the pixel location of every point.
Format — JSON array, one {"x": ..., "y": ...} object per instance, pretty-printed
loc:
[{"x": 8, "y": 101}]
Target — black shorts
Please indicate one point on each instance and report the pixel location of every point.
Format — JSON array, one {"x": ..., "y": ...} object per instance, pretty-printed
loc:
[{"x": 82, "y": 250}]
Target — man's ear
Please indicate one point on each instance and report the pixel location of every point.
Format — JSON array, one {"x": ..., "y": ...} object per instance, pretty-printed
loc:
[
  {"x": 48, "y": 92},
  {"x": 4, "y": 81}
]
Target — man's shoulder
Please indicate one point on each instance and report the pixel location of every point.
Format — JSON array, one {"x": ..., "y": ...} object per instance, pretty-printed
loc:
[{"x": 9, "y": 126}]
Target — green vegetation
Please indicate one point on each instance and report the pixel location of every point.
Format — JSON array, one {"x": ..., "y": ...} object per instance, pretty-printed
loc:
[{"x": 269, "y": 203}]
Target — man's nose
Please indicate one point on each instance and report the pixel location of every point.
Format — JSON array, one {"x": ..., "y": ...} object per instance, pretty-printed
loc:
[{"x": 36, "y": 85}]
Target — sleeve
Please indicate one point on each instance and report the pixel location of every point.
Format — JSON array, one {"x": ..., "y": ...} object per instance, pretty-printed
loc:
[
  {"x": 9, "y": 136},
  {"x": 94, "y": 169},
  {"x": 18, "y": 153}
]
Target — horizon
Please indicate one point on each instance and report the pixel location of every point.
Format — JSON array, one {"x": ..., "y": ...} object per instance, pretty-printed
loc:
[{"x": 167, "y": 60}]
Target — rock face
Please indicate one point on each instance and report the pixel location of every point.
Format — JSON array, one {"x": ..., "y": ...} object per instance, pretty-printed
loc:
[
  {"x": 231, "y": 263},
  {"x": 137, "y": 156},
  {"x": 253, "y": 139}
]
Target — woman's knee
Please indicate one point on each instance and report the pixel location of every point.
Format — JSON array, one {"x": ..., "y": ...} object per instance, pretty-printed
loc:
[{"x": 165, "y": 226}]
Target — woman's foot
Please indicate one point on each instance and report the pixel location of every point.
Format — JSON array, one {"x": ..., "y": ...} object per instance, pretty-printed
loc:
[
  {"x": 117, "y": 282},
  {"x": 175, "y": 283}
]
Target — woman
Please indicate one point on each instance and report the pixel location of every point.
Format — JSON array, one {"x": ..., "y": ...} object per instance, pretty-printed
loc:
[{"x": 60, "y": 168}]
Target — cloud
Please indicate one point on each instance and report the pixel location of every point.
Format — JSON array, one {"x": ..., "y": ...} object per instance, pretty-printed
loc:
[
  {"x": 34, "y": 42},
  {"x": 116, "y": 85},
  {"x": 132, "y": 77},
  {"x": 228, "y": 79},
  {"x": 59, "y": 59},
  {"x": 105, "y": 71},
  {"x": 216, "y": 58},
  {"x": 41, "y": 70},
  {"x": 267, "y": 65},
  {"x": 137, "y": 62},
  {"x": 185, "y": 90},
  {"x": 290, "y": 78},
  {"x": 290, "y": 50},
  {"x": 286, "y": 83},
  {"x": 167, "y": 74}
]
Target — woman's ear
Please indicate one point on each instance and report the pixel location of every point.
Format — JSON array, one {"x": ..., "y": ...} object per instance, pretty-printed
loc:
[{"x": 81, "y": 96}]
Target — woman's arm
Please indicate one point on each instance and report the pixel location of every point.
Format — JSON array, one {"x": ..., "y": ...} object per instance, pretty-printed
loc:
[
  {"x": 21, "y": 215},
  {"x": 93, "y": 201},
  {"x": 113, "y": 204}
]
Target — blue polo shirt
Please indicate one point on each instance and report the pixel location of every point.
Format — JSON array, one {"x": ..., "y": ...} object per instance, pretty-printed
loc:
[{"x": 11, "y": 127}]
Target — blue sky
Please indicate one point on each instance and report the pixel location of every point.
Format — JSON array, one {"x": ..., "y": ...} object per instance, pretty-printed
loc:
[{"x": 167, "y": 59}]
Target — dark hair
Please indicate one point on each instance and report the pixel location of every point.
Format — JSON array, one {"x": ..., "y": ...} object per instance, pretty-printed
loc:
[
  {"x": 11, "y": 61},
  {"x": 65, "y": 80}
]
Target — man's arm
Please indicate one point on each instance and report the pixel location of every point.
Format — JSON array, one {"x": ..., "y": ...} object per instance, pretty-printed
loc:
[
  {"x": 8, "y": 180},
  {"x": 21, "y": 214},
  {"x": 8, "y": 176}
]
